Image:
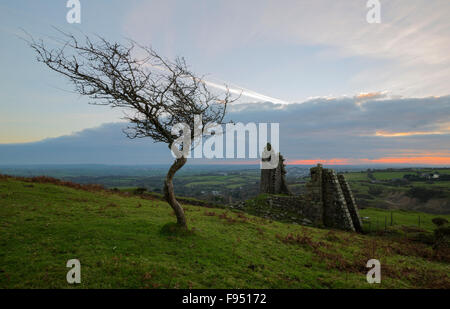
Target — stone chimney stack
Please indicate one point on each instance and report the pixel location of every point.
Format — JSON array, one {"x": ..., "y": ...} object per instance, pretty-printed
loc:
[{"x": 273, "y": 181}]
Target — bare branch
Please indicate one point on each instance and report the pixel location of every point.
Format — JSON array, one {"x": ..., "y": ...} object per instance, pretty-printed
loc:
[{"x": 159, "y": 93}]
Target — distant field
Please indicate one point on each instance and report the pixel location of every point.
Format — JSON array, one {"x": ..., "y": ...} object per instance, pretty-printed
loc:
[
  {"x": 227, "y": 181},
  {"x": 205, "y": 183},
  {"x": 438, "y": 184},
  {"x": 356, "y": 176},
  {"x": 235, "y": 186},
  {"x": 389, "y": 175},
  {"x": 389, "y": 190},
  {"x": 378, "y": 218},
  {"x": 440, "y": 171},
  {"x": 222, "y": 184}
]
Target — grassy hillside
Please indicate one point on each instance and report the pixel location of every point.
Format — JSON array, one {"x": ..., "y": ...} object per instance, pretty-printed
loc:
[{"x": 128, "y": 242}]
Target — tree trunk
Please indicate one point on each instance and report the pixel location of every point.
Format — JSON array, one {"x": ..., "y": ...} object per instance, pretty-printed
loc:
[{"x": 169, "y": 194}]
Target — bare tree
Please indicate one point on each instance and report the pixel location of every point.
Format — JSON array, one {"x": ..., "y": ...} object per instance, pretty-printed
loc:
[{"x": 158, "y": 93}]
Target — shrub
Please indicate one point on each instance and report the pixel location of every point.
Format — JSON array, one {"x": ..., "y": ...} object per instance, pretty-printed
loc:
[
  {"x": 423, "y": 194},
  {"x": 442, "y": 241},
  {"x": 439, "y": 221},
  {"x": 374, "y": 190},
  {"x": 139, "y": 191}
]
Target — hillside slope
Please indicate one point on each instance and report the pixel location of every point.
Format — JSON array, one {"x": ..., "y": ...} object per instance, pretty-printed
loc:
[{"x": 126, "y": 242}]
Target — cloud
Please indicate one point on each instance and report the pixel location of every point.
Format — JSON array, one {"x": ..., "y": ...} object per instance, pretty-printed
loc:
[
  {"x": 369, "y": 95},
  {"x": 338, "y": 128},
  {"x": 333, "y": 131},
  {"x": 433, "y": 160},
  {"x": 223, "y": 86},
  {"x": 412, "y": 133},
  {"x": 105, "y": 144},
  {"x": 410, "y": 45},
  {"x": 243, "y": 92}
]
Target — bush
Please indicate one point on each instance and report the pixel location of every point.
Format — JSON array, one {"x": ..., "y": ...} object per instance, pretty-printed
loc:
[
  {"x": 374, "y": 190},
  {"x": 442, "y": 238},
  {"x": 140, "y": 191},
  {"x": 439, "y": 221},
  {"x": 423, "y": 194},
  {"x": 423, "y": 237},
  {"x": 364, "y": 196}
]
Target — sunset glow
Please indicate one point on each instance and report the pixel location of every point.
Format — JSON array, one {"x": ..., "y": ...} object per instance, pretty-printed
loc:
[
  {"x": 429, "y": 160},
  {"x": 401, "y": 134}
]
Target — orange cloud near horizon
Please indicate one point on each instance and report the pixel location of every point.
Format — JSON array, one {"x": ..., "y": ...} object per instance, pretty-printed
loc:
[
  {"x": 414, "y": 133},
  {"x": 428, "y": 160}
]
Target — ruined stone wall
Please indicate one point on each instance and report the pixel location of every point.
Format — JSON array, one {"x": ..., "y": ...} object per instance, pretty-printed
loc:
[
  {"x": 351, "y": 203},
  {"x": 332, "y": 200},
  {"x": 328, "y": 200},
  {"x": 267, "y": 182},
  {"x": 280, "y": 178},
  {"x": 335, "y": 210},
  {"x": 313, "y": 197},
  {"x": 273, "y": 181},
  {"x": 290, "y": 209}
]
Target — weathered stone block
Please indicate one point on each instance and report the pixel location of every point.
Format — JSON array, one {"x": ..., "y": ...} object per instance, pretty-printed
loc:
[{"x": 351, "y": 203}]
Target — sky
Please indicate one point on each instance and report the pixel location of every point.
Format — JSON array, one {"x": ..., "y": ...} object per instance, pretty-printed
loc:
[
  {"x": 344, "y": 131},
  {"x": 361, "y": 93}
]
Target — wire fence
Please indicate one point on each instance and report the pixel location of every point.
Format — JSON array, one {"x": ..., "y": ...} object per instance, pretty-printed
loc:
[{"x": 383, "y": 223}]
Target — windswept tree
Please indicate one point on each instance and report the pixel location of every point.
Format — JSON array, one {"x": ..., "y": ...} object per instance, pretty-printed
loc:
[{"x": 157, "y": 94}]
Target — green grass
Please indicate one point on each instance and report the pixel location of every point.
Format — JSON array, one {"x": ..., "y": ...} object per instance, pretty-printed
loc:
[
  {"x": 205, "y": 183},
  {"x": 230, "y": 182},
  {"x": 356, "y": 176},
  {"x": 127, "y": 242},
  {"x": 400, "y": 217},
  {"x": 437, "y": 184},
  {"x": 390, "y": 175},
  {"x": 235, "y": 186}
]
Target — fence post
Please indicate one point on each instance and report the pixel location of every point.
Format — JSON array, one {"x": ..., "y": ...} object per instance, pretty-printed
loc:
[
  {"x": 385, "y": 223},
  {"x": 419, "y": 221},
  {"x": 392, "y": 218}
]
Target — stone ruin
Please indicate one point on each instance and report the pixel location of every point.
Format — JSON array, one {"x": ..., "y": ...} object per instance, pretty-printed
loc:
[
  {"x": 328, "y": 200},
  {"x": 333, "y": 200},
  {"x": 273, "y": 181}
]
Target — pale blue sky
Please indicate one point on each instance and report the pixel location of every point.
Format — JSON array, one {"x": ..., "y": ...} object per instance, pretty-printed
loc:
[{"x": 290, "y": 51}]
